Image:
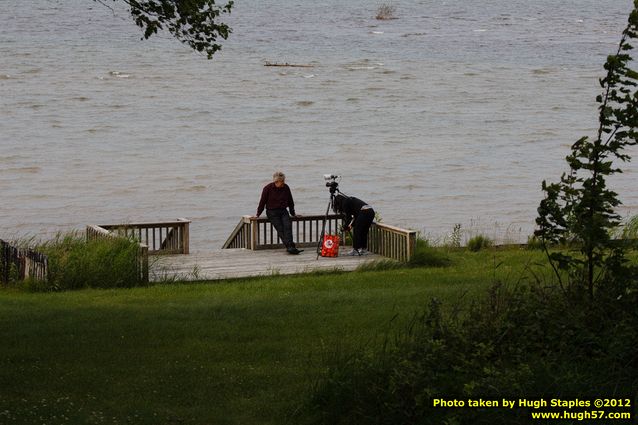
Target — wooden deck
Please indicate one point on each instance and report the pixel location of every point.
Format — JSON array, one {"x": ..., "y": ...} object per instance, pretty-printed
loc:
[
  {"x": 252, "y": 249},
  {"x": 235, "y": 263}
]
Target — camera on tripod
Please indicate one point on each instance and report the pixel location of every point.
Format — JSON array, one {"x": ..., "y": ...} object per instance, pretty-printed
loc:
[{"x": 332, "y": 181}]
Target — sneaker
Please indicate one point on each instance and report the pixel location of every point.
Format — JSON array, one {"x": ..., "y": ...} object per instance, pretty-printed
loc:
[
  {"x": 354, "y": 253},
  {"x": 364, "y": 252},
  {"x": 293, "y": 251}
]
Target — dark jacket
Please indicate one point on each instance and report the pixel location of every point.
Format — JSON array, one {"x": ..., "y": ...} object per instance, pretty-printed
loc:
[
  {"x": 349, "y": 207},
  {"x": 273, "y": 197}
]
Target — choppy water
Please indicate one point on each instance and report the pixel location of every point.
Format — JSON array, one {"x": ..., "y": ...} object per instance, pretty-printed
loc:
[{"x": 452, "y": 113}]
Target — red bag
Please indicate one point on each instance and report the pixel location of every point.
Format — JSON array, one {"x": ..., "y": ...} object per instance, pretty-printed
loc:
[{"x": 330, "y": 246}]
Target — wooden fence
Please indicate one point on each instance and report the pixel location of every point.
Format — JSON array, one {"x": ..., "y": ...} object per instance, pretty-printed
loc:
[
  {"x": 257, "y": 233},
  {"x": 20, "y": 263},
  {"x": 167, "y": 237}
]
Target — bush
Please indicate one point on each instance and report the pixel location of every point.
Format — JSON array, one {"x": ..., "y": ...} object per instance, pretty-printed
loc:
[
  {"x": 526, "y": 342},
  {"x": 478, "y": 242},
  {"x": 75, "y": 263}
]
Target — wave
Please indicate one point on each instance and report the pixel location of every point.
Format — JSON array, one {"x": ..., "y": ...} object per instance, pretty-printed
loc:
[
  {"x": 196, "y": 188},
  {"x": 24, "y": 170}
]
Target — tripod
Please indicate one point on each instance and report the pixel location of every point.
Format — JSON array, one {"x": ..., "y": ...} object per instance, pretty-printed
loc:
[{"x": 333, "y": 190}]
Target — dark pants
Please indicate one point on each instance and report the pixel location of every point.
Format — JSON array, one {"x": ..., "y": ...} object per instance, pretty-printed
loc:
[
  {"x": 361, "y": 227},
  {"x": 280, "y": 220}
]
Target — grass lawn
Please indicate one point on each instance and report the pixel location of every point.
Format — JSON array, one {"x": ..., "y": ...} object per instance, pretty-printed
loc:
[{"x": 234, "y": 352}]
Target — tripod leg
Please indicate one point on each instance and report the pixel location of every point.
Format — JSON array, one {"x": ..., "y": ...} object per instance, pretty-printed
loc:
[{"x": 323, "y": 229}]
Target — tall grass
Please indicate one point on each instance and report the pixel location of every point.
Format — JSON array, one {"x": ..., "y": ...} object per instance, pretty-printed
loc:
[
  {"x": 479, "y": 242},
  {"x": 76, "y": 263},
  {"x": 424, "y": 255},
  {"x": 630, "y": 228}
]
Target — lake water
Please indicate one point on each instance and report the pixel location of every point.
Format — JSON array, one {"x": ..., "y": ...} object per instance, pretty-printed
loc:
[{"x": 452, "y": 113}]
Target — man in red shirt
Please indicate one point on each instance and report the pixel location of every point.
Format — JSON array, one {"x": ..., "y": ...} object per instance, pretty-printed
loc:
[{"x": 276, "y": 197}]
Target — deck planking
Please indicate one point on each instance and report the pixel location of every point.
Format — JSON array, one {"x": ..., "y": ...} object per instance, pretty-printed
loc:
[{"x": 237, "y": 263}]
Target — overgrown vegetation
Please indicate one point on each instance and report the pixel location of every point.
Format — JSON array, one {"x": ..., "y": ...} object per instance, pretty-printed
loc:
[
  {"x": 76, "y": 263},
  {"x": 522, "y": 342}
]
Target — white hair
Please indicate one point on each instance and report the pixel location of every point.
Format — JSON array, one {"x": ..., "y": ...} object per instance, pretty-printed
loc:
[{"x": 278, "y": 176}]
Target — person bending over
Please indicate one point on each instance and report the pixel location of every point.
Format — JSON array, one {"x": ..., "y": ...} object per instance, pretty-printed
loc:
[
  {"x": 276, "y": 197},
  {"x": 357, "y": 215}
]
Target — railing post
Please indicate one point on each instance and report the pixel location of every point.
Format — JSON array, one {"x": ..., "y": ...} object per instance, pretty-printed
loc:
[
  {"x": 253, "y": 231},
  {"x": 411, "y": 244},
  {"x": 143, "y": 263},
  {"x": 185, "y": 235}
]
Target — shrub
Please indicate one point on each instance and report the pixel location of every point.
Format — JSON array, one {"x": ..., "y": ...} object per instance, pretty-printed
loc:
[
  {"x": 478, "y": 242},
  {"x": 525, "y": 342},
  {"x": 75, "y": 263}
]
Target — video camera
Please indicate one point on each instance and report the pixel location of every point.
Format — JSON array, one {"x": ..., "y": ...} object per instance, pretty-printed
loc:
[{"x": 332, "y": 181}]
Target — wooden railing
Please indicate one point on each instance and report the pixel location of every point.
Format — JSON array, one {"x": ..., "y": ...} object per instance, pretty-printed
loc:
[
  {"x": 94, "y": 232},
  {"x": 21, "y": 263},
  {"x": 257, "y": 233},
  {"x": 168, "y": 237},
  {"x": 392, "y": 242}
]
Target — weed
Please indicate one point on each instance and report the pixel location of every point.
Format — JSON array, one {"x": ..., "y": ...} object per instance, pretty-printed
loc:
[
  {"x": 479, "y": 242},
  {"x": 453, "y": 240}
]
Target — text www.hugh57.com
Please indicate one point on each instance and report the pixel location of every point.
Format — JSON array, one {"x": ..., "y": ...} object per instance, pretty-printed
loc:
[
  {"x": 573, "y": 410},
  {"x": 581, "y": 416}
]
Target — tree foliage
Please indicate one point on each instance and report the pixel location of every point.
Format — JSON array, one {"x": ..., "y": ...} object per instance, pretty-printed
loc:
[
  {"x": 193, "y": 22},
  {"x": 580, "y": 209}
]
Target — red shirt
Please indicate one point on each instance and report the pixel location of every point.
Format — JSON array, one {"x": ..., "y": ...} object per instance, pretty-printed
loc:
[{"x": 273, "y": 197}]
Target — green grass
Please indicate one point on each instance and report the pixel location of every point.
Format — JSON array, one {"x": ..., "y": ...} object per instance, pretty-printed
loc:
[{"x": 243, "y": 351}]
